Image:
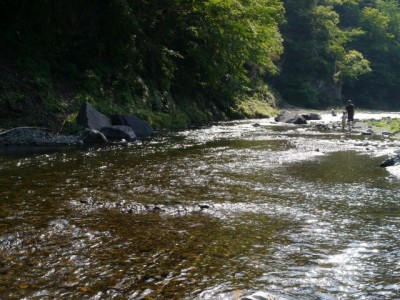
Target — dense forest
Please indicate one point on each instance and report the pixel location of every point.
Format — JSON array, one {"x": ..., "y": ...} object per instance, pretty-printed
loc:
[{"x": 182, "y": 62}]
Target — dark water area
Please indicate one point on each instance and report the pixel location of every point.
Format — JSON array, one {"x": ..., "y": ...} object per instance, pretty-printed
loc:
[{"x": 213, "y": 213}]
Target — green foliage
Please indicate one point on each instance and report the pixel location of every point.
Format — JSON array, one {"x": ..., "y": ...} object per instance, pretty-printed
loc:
[
  {"x": 131, "y": 56},
  {"x": 179, "y": 62},
  {"x": 352, "y": 66},
  {"x": 392, "y": 124},
  {"x": 70, "y": 126},
  {"x": 176, "y": 120},
  {"x": 380, "y": 20},
  {"x": 341, "y": 49}
]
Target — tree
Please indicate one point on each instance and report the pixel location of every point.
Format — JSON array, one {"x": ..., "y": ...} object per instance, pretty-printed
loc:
[
  {"x": 378, "y": 89},
  {"x": 318, "y": 53}
]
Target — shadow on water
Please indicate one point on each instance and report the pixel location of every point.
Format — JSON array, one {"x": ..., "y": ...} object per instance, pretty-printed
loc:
[{"x": 339, "y": 167}]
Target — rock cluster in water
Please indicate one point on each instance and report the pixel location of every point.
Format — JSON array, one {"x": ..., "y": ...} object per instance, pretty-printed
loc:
[{"x": 98, "y": 129}]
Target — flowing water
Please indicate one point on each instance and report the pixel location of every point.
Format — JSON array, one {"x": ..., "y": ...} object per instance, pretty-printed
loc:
[{"x": 287, "y": 212}]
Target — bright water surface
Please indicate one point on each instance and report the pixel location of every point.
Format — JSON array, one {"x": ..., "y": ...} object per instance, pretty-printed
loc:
[{"x": 214, "y": 213}]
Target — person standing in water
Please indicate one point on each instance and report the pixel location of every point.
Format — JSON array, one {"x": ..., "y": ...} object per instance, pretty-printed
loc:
[
  {"x": 344, "y": 119},
  {"x": 350, "y": 113}
]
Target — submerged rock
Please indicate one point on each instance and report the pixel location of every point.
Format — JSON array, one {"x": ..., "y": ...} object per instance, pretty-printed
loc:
[
  {"x": 119, "y": 132},
  {"x": 260, "y": 296},
  {"x": 92, "y": 136},
  {"x": 322, "y": 127}
]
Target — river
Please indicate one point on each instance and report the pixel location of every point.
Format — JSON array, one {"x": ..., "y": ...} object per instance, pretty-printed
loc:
[{"x": 222, "y": 212}]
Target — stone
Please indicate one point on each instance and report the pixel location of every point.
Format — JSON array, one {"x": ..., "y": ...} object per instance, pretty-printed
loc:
[
  {"x": 23, "y": 136},
  {"x": 322, "y": 127},
  {"x": 90, "y": 118},
  {"x": 92, "y": 136},
  {"x": 118, "y": 132},
  {"x": 290, "y": 117},
  {"x": 141, "y": 128},
  {"x": 391, "y": 161},
  {"x": 312, "y": 116}
]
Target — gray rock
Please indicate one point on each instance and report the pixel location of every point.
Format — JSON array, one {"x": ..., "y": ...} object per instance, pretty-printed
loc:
[
  {"x": 92, "y": 136},
  {"x": 290, "y": 117},
  {"x": 35, "y": 137},
  {"x": 23, "y": 136},
  {"x": 141, "y": 128},
  {"x": 119, "y": 132},
  {"x": 260, "y": 296},
  {"x": 322, "y": 127},
  {"x": 89, "y": 117},
  {"x": 312, "y": 116},
  {"x": 392, "y": 161},
  {"x": 367, "y": 132}
]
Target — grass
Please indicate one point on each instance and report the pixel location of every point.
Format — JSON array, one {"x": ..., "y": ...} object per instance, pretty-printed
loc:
[
  {"x": 390, "y": 124},
  {"x": 255, "y": 108}
]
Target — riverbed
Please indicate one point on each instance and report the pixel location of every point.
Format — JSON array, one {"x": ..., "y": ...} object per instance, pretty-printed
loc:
[{"x": 220, "y": 212}]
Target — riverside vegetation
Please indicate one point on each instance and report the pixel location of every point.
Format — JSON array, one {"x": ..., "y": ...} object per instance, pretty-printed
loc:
[{"x": 178, "y": 63}]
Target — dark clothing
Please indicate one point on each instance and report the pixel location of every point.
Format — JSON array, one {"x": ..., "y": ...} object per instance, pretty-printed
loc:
[{"x": 350, "y": 112}]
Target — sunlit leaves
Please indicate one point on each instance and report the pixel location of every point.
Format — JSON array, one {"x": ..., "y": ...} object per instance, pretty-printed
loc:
[
  {"x": 374, "y": 21},
  {"x": 352, "y": 66},
  {"x": 231, "y": 34}
]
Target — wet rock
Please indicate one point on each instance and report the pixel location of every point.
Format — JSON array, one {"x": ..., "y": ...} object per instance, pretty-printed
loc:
[
  {"x": 118, "y": 132},
  {"x": 312, "y": 116},
  {"x": 368, "y": 132},
  {"x": 138, "y": 208},
  {"x": 322, "y": 127},
  {"x": 141, "y": 128},
  {"x": 361, "y": 144},
  {"x": 89, "y": 117},
  {"x": 391, "y": 161},
  {"x": 395, "y": 134},
  {"x": 10, "y": 241},
  {"x": 290, "y": 117},
  {"x": 92, "y": 136}
]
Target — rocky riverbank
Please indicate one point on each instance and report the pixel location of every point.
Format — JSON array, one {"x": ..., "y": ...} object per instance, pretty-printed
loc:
[
  {"x": 104, "y": 131},
  {"x": 28, "y": 136},
  {"x": 96, "y": 129}
]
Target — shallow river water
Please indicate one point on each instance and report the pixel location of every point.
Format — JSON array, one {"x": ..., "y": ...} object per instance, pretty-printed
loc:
[{"x": 223, "y": 212}]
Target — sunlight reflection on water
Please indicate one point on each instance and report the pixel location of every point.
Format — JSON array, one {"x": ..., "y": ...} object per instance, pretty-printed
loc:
[{"x": 216, "y": 213}]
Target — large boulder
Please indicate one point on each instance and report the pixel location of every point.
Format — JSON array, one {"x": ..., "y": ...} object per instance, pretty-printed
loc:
[
  {"x": 93, "y": 136},
  {"x": 312, "y": 116},
  {"x": 141, "y": 128},
  {"x": 90, "y": 118},
  {"x": 118, "y": 132},
  {"x": 290, "y": 117}
]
